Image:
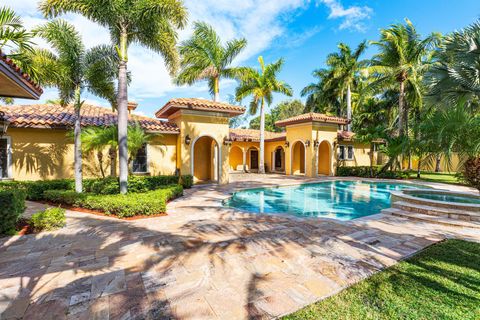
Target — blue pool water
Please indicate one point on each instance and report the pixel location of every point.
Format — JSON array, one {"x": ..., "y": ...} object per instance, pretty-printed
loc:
[
  {"x": 448, "y": 198},
  {"x": 342, "y": 200}
]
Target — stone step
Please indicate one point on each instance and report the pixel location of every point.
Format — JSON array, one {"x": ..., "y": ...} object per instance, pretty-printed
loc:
[
  {"x": 431, "y": 218},
  {"x": 437, "y": 211}
]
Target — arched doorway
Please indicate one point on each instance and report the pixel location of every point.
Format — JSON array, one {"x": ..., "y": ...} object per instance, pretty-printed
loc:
[
  {"x": 205, "y": 162},
  {"x": 235, "y": 158},
  {"x": 252, "y": 155},
  {"x": 279, "y": 160},
  {"x": 324, "y": 158},
  {"x": 298, "y": 158}
]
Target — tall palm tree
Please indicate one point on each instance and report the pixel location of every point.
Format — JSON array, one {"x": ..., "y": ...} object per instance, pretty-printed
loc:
[
  {"x": 203, "y": 57},
  {"x": 346, "y": 66},
  {"x": 72, "y": 69},
  {"x": 97, "y": 139},
  {"x": 402, "y": 58},
  {"x": 261, "y": 84},
  {"x": 323, "y": 95},
  {"x": 151, "y": 23}
]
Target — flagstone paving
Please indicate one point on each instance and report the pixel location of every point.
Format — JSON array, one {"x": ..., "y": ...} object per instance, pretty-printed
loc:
[{"x": 202, "y": 261}]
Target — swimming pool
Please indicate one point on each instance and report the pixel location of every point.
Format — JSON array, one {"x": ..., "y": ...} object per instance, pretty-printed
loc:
[
  {"x": 455, "y": 198},
  {"x": 342, "y": 200}
]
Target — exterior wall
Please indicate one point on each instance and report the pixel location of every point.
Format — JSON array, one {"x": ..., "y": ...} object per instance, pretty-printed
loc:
[
  {"x": 301, "y": 132},
  {"x": 270, "y": 148},
  {"x": 196, "y": 125},
  {"x": 324, "y": 158},
  {"x": 325, "y": 155},
  {"x": 454, "y": 166},
  {"x": 235, "y": 158},
  {"x": 204, "y": 159},
  {"x": 361, "y": 154},
  {"x": 48, "y": 154}
]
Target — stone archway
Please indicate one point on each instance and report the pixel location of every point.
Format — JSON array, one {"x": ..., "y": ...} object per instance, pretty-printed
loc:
[
  {"x": 298, "y": 158},
  {"x": 235, "y": 159},
  {"x": 324, "y": 158},
  {"x": 205, "y": 161},
  {"x": 253, "y": 159}
]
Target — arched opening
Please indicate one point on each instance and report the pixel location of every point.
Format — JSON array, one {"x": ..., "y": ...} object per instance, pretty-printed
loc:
[
  {"x": 252, "y": 159},
  {"x": 298, "y": 158},
  {"x": 205, "y": 159},
  {"x": 279, "y": 160},
  {"x": 235, "y": 158},
  {"x": 324, "y": 159}
]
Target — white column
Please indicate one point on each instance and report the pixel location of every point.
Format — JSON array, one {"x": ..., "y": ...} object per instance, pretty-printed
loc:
[{"x": 244, "y": 160}]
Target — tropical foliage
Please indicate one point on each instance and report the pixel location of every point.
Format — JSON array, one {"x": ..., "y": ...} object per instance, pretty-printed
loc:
[
  {"x": 203, "y": 57},
  {"x": 285, "y": 109}
]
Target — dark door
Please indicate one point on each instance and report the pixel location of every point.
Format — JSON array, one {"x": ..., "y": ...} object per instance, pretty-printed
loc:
[
  {"x": 278, "y": 159},
  {"x": 254, "y": 159}
]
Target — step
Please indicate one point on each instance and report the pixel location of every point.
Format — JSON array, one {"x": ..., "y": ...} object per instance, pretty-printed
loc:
[
  {"x": 437, "y": 211},
  {"x": 431, "y": 219}
]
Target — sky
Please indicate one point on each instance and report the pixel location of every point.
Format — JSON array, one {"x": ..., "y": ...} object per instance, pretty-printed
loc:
[{"x": 302, "y": 32}]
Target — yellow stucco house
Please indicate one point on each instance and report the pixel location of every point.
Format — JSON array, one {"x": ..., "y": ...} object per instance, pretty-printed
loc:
[{"x": 192, "y": 137}]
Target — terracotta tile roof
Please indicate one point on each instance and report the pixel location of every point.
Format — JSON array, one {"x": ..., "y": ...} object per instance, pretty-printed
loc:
[
  {"x": 254, "y": 135},
  {"x": 55, "y": 116},
  {"x": 174, "y": 105},
  {"x": 22, "y": 76},
  {"x": 345, "y": 135},
  {"x": 310, "y": 117}
]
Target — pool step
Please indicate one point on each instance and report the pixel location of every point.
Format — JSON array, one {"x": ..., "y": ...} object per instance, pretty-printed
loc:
[
  {"x": 437, "y": 211},
  {"x": 431, "y": 218}
]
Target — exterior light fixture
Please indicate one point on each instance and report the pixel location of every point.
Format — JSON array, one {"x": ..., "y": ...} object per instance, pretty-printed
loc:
[
  {"x": 3, "y": 124},
  {"x": 287, "y": 144},
  {"x": 188, "y": 140},
  {"x": 307, "y": 143},
  {"x": 316, "y": 143},
  {"x": 227, "y": 142}
]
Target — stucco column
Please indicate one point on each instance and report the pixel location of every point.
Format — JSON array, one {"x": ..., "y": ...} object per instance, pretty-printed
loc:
[
  {"x": 316, "y": 151},
  {"x": 244, "y": 160}
]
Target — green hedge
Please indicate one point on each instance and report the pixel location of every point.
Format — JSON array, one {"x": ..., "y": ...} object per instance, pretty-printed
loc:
[
  {"x": 49, "y": 219},
  {"x": 131, "y": 204},
  {"x": 364, "y": 172},
  {"x": 35, "y": 189},
  {"x": 12, "y": 205}
]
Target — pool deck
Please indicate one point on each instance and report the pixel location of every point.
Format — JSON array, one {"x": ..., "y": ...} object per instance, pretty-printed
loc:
[{"x": 202, "y": 261}]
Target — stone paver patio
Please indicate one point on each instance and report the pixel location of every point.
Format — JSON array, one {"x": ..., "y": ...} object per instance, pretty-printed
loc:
[{"x": 202, "y": 261}]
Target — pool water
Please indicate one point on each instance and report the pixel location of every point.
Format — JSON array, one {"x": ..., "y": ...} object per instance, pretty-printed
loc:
[
  {"x": 448, "y": 198},
  {"x": 342, "y": 200}
]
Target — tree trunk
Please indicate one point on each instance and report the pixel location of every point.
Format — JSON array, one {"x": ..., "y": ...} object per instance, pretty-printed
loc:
[
  {"x": 349, "y": 108},
  {"x": 100, "y": 162},
  {"x": 113, "y": 161},
  {"x": 122, "y": 101},
  {"x": 419, "y": 167},
  {"x": 437, "y": 163},
  {"x": 261, "y": 167},
  {"x": 372, "y": 147},
  {"x": 78, "y": 142},
  {"x": 401, "y": 112},
  {"x": 216, "y": 90}
]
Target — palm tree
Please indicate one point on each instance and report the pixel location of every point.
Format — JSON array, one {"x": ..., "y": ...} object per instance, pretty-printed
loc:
[
  {"x": 323, "y": 95},
  {"x": 203, "y": 57},
  {"x": 12, "y": 32},
  {"x": 72, "y": 69},
  {"x": 97, "y": 139},
  {"x": 456, "y": 75},
  {"x": 402, "y": 59},
  {"x": 261, "y": 84},
  {"x": 346, "y": 66},
  {"x": 151, "y": 23}
]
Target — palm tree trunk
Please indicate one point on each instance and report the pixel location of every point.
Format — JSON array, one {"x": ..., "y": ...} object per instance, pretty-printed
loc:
[
  {"x": 372, "y": 147},
  {"x": 113, "y": 161},
  {"x": 349, "y": 108},
  {"x": 437, "y": 163},
  {"x": 216, "y": 90},
  {"x": 261, "y": 168},
  {"x": 419, "y": 167},
  {"x": 100, "y": 163},
  {"x": 78, "y": 143},
  {"x": 401, "y": 108},
  {"x": 122, "y": 101}
]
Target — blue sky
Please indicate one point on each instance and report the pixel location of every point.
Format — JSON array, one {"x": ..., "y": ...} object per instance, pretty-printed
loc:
[{"x": 302, "y": 32}]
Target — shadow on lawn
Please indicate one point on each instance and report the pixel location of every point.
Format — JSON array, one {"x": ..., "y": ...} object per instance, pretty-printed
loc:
[{"x": 112, "y": 268}]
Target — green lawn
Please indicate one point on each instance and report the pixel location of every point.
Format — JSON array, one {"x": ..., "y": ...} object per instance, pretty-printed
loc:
[
  {"x": 442, "y": 282},
  {"x": 436, "y": 177}
]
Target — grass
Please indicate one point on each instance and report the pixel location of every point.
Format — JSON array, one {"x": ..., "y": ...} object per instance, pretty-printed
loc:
[
  {"x": 441, "y": 177},
  {"x": 442, "y": 282}
]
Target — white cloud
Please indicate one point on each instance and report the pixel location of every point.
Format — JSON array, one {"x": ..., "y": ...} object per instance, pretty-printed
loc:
[{"x": 353, "y": 17}]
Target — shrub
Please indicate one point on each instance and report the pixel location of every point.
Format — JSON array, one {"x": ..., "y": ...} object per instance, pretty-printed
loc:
[
  {"x": 12, "y": 205},
  {"x": 131, "y": 204},
  {"x": 471, "y": 173},
  {"x": 49, "y": 219},
  {"x": 135, "y": 184},
  {"x": 35, "y": 189},
  {"x": 187, "y": 181},
  {"x": 364, "y": 172}
]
